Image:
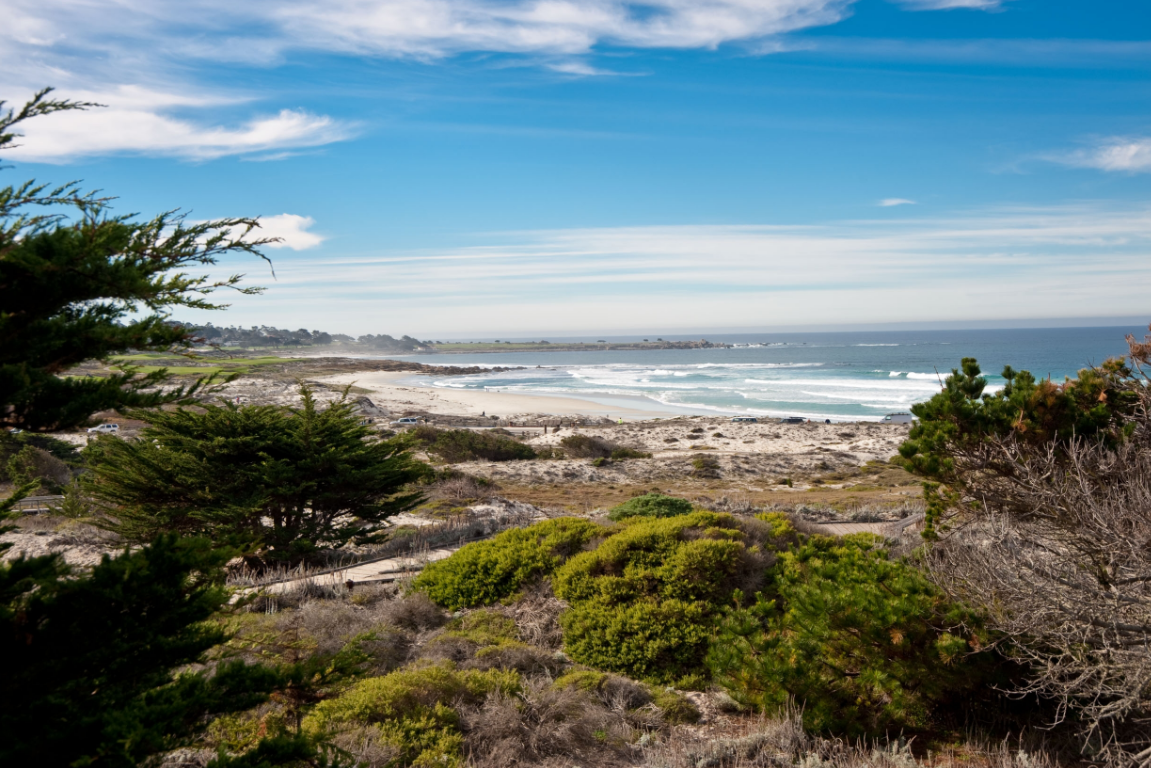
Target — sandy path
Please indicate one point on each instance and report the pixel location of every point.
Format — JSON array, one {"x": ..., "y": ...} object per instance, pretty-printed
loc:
[{"x": 389, "y": 391}]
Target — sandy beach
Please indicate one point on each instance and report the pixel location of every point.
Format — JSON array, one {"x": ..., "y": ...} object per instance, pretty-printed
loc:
[{"x": 396, "y": 391}]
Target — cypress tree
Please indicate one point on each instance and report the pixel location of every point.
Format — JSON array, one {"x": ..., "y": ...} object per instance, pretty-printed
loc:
[
  {"x": 80, "y": 283},
  {"x": 278, "y": 482}
]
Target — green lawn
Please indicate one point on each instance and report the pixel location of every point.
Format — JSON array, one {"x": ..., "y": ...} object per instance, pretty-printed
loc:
[{"x": 178, "y": 365}]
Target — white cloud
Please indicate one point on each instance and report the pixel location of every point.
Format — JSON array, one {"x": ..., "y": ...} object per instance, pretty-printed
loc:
[
  {"x": 1005, "y": 264},
  {"x": 292, "y": 231},
  {"x": 422, "y": 28},
  {"x": 891, "y": 202},
  {"x": 138, "y": 120},
  {"x": 1116, "y": 153}
]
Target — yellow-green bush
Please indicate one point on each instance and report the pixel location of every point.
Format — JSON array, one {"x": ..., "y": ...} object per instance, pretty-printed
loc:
[
  {"x": 643, "y": 603},
  {"x": 488, "y": 571},
  {"x": 413, "y": 710}
]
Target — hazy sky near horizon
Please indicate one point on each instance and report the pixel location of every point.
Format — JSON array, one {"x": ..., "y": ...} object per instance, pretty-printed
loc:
[{"x": 455, "y": 168}]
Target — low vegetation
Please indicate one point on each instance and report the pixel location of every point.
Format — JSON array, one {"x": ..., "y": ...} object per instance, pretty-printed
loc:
[
  {"x": 454, "y": 446},
  {"x": 486, "y": 572},
  {"x": 644, "y": 601},
  {"x": 651, "y": 505},
  {"x": 581, "y": 446},
  {"x": 863, "y": 639}
]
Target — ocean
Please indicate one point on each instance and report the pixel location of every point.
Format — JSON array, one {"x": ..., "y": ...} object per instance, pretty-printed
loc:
[{"x": 838, "y": 376}]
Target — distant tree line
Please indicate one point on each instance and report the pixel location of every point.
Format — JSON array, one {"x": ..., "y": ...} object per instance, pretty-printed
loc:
[{"x": 270, "y": 336}]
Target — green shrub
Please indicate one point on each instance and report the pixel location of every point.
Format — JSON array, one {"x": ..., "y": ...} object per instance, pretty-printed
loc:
[
  {"x": 35, "y": 465},
  {"x": 651, "y": 505},
  {"x": 586, "y": 447},
  {"x": 620, "y": 454},
  {"x": 612, "y": 689},
  {"x": 484, "y": 628},
  {"x": 457, "y": 445},
  {"x": 413, "y": 710},
  {"x": 705, "y": 466},
  {"x": 863, "y": 642},
  {"x": 488, "y": 571},
  {"x": 644, "y": 602}
]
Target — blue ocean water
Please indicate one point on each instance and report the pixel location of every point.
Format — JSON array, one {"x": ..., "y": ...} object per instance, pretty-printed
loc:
[{"x": 860, "y": 375}]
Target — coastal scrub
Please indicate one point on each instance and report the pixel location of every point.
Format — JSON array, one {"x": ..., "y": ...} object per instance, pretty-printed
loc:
[{"x": 486, "y": 572}]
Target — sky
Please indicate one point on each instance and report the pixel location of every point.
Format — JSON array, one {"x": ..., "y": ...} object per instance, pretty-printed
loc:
[{"x": 462, "y": 168}]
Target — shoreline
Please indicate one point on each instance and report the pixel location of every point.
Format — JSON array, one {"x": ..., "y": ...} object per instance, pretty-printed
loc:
[{"x": 398, "y": 389}]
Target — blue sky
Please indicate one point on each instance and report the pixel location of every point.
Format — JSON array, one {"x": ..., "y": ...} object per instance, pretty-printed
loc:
[{"x": 462, "y": 167}]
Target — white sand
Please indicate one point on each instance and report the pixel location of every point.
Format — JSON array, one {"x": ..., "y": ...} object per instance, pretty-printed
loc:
[{"x": 394, "y": 392}]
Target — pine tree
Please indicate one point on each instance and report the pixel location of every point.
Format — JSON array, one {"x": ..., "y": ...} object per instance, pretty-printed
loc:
[
  {"x": 90, "y": 674},
  {"x": 278, "y": 482},
  {"x": 80, "y": 283}
]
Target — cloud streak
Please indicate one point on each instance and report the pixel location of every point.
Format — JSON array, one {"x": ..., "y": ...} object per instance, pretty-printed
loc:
[
  {"x": 1003, "y": 264},
  {"x": 1128, "y": 154},
  {"x": 150, "y": 131}
]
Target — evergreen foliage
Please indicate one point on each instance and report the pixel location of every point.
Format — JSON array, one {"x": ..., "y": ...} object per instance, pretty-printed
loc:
[
  {"x": 650, "y": 505},
  {"x": 87, "y": 284},
  {"x": 279, "y": 482},
  {"x": 486, "y": 572},
  {"x": 864, "y": 643},
  {"x": 90, "y": 662},
  {"x": 644, "y": 602},
  {"x": 1034, "y": 412}
]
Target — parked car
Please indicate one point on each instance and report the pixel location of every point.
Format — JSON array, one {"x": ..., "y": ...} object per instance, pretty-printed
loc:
[
  {"x": 898, "y": 418},
  {"x": 105, "y": 429},
  {"x": 750, "y": 419},
  {"x": 407, "y": 420},
  {"x": 792, "y": 420}
]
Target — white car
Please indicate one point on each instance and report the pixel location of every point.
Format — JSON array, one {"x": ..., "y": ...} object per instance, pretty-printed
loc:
[
  {"x": 105, "y": 429},
  {"x": 407, "y": 420},
  {"x": 749, "y": 419}
]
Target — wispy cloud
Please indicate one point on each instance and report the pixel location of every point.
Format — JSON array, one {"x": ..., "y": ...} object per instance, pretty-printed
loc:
[
  {"x": 421, "y": 28},
  {"x": 1001, "y": 263},
  {"x": 891, "y": 202},
  {"x": 124, "y": 127},
  {"x": 1130, "y": 154},
  {"x": 1056, "y": 52}
]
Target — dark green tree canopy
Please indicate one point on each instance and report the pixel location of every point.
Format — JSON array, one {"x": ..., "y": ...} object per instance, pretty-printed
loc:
[
  {"x": 278, "y": 482},
  {"x": 90, "y": 662},
  {"x": 1032, "y": 412},
  {"x": 79, "y": 283},
  {"x": 863, "y": 641}
]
